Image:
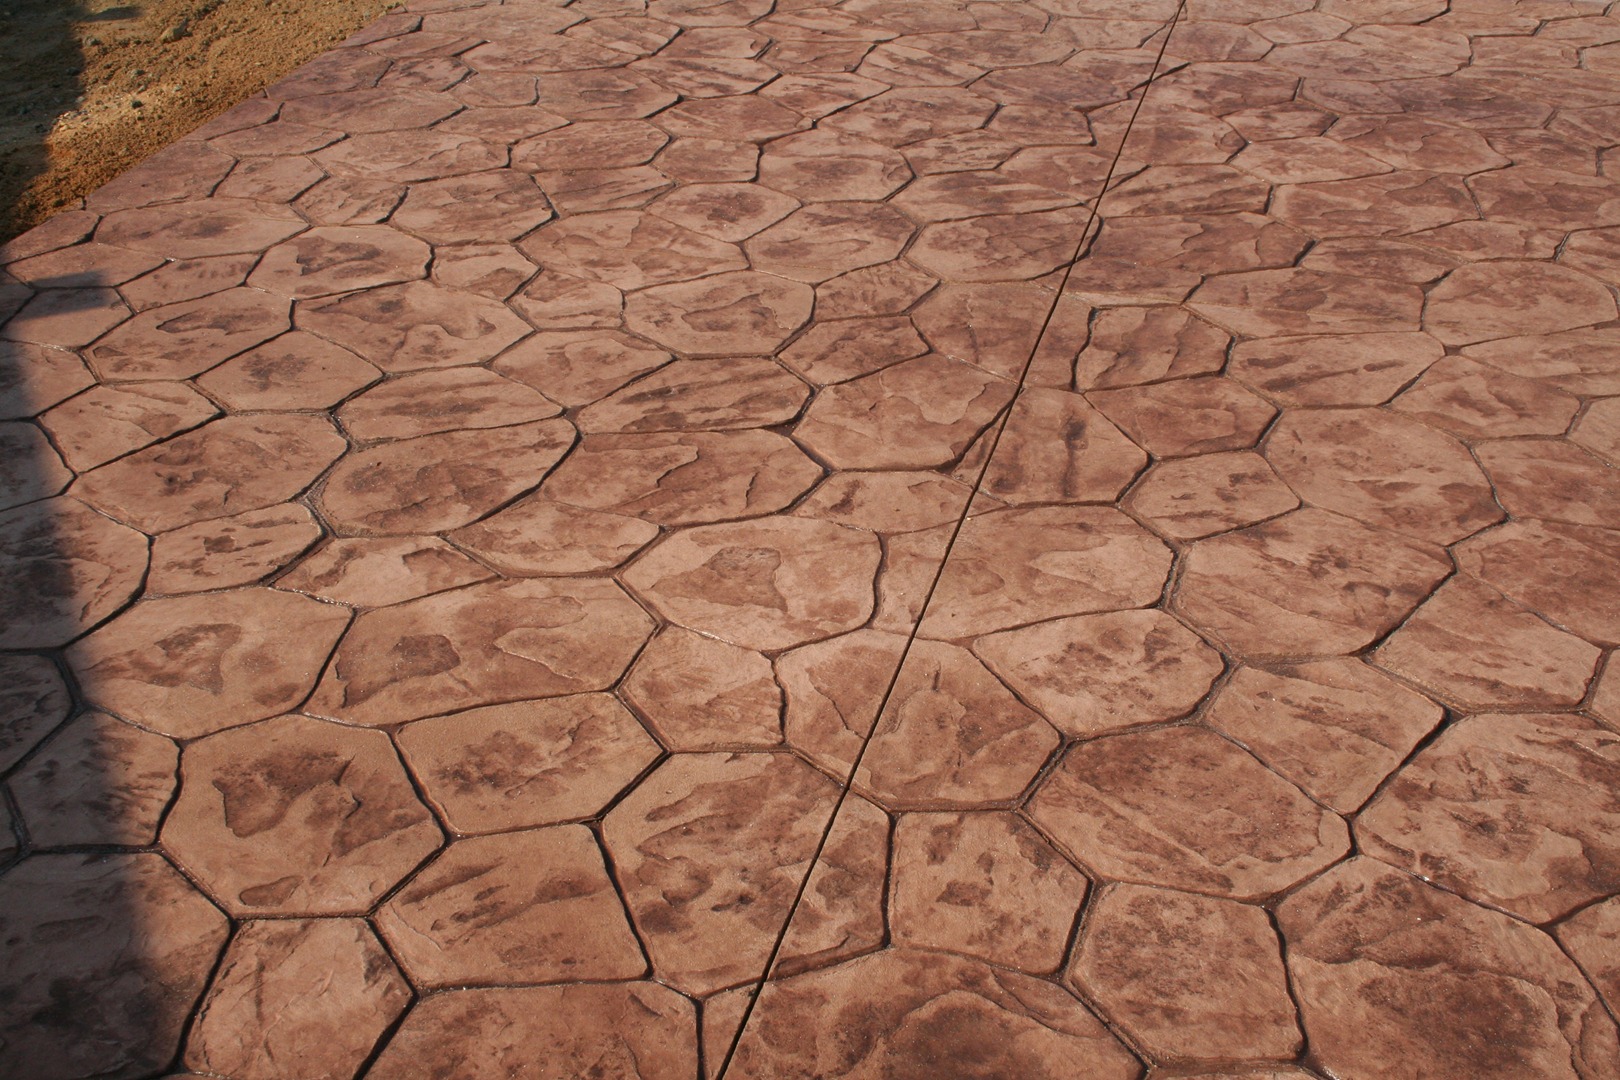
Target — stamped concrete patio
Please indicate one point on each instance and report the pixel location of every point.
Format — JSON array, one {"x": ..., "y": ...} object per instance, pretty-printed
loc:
[{"x": 620, "y": 540}]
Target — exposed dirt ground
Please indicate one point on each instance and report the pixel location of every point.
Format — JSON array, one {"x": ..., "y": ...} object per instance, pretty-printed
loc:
[{"x": 89, "y": 88}]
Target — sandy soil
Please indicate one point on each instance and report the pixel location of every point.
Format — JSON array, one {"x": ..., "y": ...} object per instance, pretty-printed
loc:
[{"x": 88, "y": 89}]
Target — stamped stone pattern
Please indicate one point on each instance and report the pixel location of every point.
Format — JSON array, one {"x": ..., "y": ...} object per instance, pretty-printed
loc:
[{"x": 1032, "y": 556}]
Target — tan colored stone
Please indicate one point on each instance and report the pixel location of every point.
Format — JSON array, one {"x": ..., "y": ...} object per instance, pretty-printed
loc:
[
  {"x": 721, "y": 394},
  {"x": 229, "y": 552},
  {"x": 415, "y": 325},
  {"x": 1473, "y": 400},
  {"x": 1196, "y": 497},
  {"x": 1553, "y": 480},
  {"x": 729, "y": 212},
  {"x": 986, "y": 886},
  {"x": 999, "y": 247},
  {"x": 33, "y": 378},
  {"x": 1093, "y": 674},
  {"x": 528, "y": 763},
  {"x": 1275, "y": 303},
  {"x": 1187, "y": 416},
  {"x": 888, "y": 289},
  {"x": 292, "y": 372},
  {"x": 98, "y": 781},
  {"x": 314, "y": 995},
  {"x": 1566, "y": 573},
  {"x": 834, "y": 352},
  {"x": 887, "y": 502},
  {"x": 191, "y": 665},
  {"x": 500, "y": 205},
  {"x": 427, "y": 402},
  {"x": 338, "y": 259},
  {"x": 539, "y": 537},
  {"x": 178, "y": 341},
  {"x": 1189, "y": 977},
  {"x": 579, "y": 367},
  {"x": 106, "y": 422},
  {"x": 826, "y": 164},
  {"x": 1599, "y": 430},
  {"x": 482, "y": 645},
  {"x": 1057, "y": 449},
  {"x": 1183, "y": 808},
  {"x": 1331, "y": 369},
  {"x": 199, "y": 228},
  {"x": 1589, "y": 936},
  {"x": 841, "y": 912},
  {"x": 721, "y": 315},
  {"x": 296, "y": 816},
  {"x": 701, "y": 694},
  {"x": 365, "y": 572},
  {"x": 1500, "y": 299},
  {"x": 525, "y": 907},
  {"x": 63, "y": 318},
  {"x": 63, "y": 569}
]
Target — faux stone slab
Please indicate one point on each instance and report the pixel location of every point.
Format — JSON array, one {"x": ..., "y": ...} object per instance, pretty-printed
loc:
[
  {"x": 34, "y": 700},
  {"x": 366, "y": 572},
  {"x": 1056, "y": 448},
  {"x": 106, "y": 422},
  {"x": 580, "y": 366},
  {"x": 414, "y": 325},
  {"x": 1492, "y": 300},
  {"x": 1187, "y": 416},
  {"x": 189, "y": 230},
  {"x": 1552, "y": 480},
  {"x": 539, "y": 537},
  {"x": 335, "y": 259},
  {"x": 33, "y": 378},
  {"x": 486, "y": 644},
  {"x": 701, "y": 395},
  {"x": 296, "y": 816},
  {"x": 1334, "y": 369},
  {"x": 98, "y": 781},
  {"x": 721, "y": 315},
  {"x": 426, "y": 402},
  {"x": 292, "y": 372},
  {"x": 1195, "y": 497},
  {"x": 178, "y": 341},
  {"x": 1274, "y": 303},
  {"x": 229, "y": 552},
  {"x": 64, "y": 569},
  {"x": 701, "y": 694}
]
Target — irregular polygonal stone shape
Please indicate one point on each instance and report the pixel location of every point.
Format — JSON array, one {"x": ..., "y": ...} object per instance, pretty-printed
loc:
[
  {"x": 228, "y": 552},
  {"x": 701, "y": 694},
  {"x": 1273, "y": 303},
  {"x": 721, "y": 315},
  {"x": 178, "y": 341},
  {"x": 1473, "y": 400},
  {"x": 294, "y": 371},
  {"x": 973, "y": 193},
  {"x": 1548, "y": 198},
  {"x": 1590, "y": 936},
  {"x": 884, "y": 1014},
  {"x": 769, "y": 584},
  {"x": 1390, "y": 204},
  {"x": 191, "y": 665},
  {"x": 1568, "y": 573},
  {"x": 709, "y": 852},
  {"x": 318, "y": 992},
  {"x": 1129, "y": 346},
  {"x": 191, "y": 230},
  {"x": 1576, "y": 361},
  {"x": 409, "y": 157},
  {"x": 107, "y": 422},
  {"x": 369, "y": 109},
  {"x": 1092, "y": 674},
  {"x": 98, "y": 781},
  {"x": 823, "y": 240},
  {"x": 415, "y": 325},
  {"x": 33, "y": 700},
  {"x": 912, "y": 114},
  {"x": 1195, "y": 497},
  {"x": 33, "y": 378},
  {"x": 1553, "y": 776},
  {"x": 482, "y": 645},
  {"x": 30, "y": 468},
  {"x": 63, "y": 569},
  {"x": 873, "y": 290},
  {"x": 917, "y": 414},
  {"x": 728, "y": 212},
  {"x": 1553, "y": 480},
  {"x": 833, "y": 352},
  {"x": 1000, "y": 247},
  {"x": 528, "y": 763},
  {"x": 1386, "y": 968},
  {"x": 1337, "y": 728},
  {"x": 1333, "y": 369},
  {"x": 1056, "y": 448},
  {"x": 841, "y": 912},
  {"x": 1187, "y": 416},
  {"x": 1014, "y": 567},
  {"x": 296, "y": 816},
  {"x": 1184, "y": 808},
  {"x": 443, "y": 481},
  {"x": 641, "y": 1030},
  {"x": 224, "y": 468},
  {"x": 335, "y": 259},
  {"x": 1502, "y": 299},
  {"x": 695, "y": 395},
  {"x": 501, "y": 205},
  {"x": 426, "y": 402},
  {"x": 537, "y": 537},
  {"x": 887, "y": 502},
  {"x": 983, "y": 885},
  {"x": 629, "y": 249},
  {"x": 1201, "y": 244},
  {"x": 950, "y": 735},
  {"x": 685, "y": 478},
  {"x": 581, "y": 366},
  {"x": 826, "y": 165},
  {"x": 1385, "y": 470},
  {"x": 141, "y": 947},
  {"x": 1309, "y": 583},
  {"x": 365, "y": 572},
  {"x": 64, "y": 318},
  {"x": 527, "y": 907},
  {"x": 1478, "y": 650},
  {"x": 1187, "y": 976}
]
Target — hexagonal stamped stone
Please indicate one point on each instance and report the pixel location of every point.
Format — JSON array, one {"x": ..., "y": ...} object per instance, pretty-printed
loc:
[
  {"x": 1014, "y": 567},
  {"x": 1273, "y": 303},
  {"x": 580, "y": 366},
  {"x": 98, "y": 781},
  {"x": 106, "y": 422},
  {"x": 1337, "y": 728},
  {"x": 33, "y": 378},
  {"x": 142, "y": 945},
  {"x": 319, "y": 992},
  {"x": 1333, "y": 369},
  {"x": 426, "y": 402},
  {"x": 1504, "y": 299},
  {"x": 1188, "y": 976},
  {"x": 1195, "y": 497},
  {"x": 698, "y": 395},
  {"x": 228, "y": 552},
  {"x": 33, "y": 700},
  {"x": 296, "y": 816},
  {"x": 196, "y": 229},
  {"x": 916, "y": 414},
  {"x": 823, "y": 240},
  {"x": 292, "y": 372},
  {"x": 527, "y": 763},
  {"x": 527, "y": 907},
  {"x": 441, "y": 481},
  {"x": 1553, "y": 776},
  {"x": 1187, "y": 416},
  {"x": 1092, "y": 674},
  {"x": 415, "y": 325},
  {"x": 409, "y": 157},
  {"x": 701, "y": 694},
  {"x": 1056, "y": 448},
  {"x": 1474, "y": 400},
  {"x": 721, "y": 315},
  {"x": 1309, "y": 583},
  {"x": 887, "y": 502},
  {"x": 833, "y": 352},
  {"x": 366, "y": 572},
  {"x": 63, "y": 569},
  {"x": 1478, "y": 650},
  {"x": 64, "y": 318},
  {"x": 1184, "y": 808},
  {"x": 685, "y": 478},
  {"x": 999, "y": 247},
  {"x": 639, "y": 1031},
  {"x": 770, "y": 584},
  {"x": 335, "y": 259},
  {"x": 539, "y": 537},
  {"x": 986, "y": 886},
  {"x": 884, "y": 1013},
  {"x": 190, "y": 665},
  {"x": 950, "y": 736},
  {"x": 1385, "y": 470},
  {"x": 629, "y": 249},
  {"x": 729, "y": 212},
  {"x": 1553, "y": 480},
  {"x": 710, "y": 852},
  {"x": 1567, "y": 573},
  {"x": 500, "y": 205},
  {"x": 224, "y": 468},
  {"x": 1386, "y": 968},
  {"x": 178, "y": 341},
  {"x": 483, "y": 645}
]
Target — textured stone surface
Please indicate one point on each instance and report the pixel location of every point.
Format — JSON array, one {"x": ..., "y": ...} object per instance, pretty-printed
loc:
[
  {"x": 98, "y": 781},
  {"x": 228, "y": 552},
  {"x": 701, "y": 694},
  {"x": 64, "y": 569}
]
